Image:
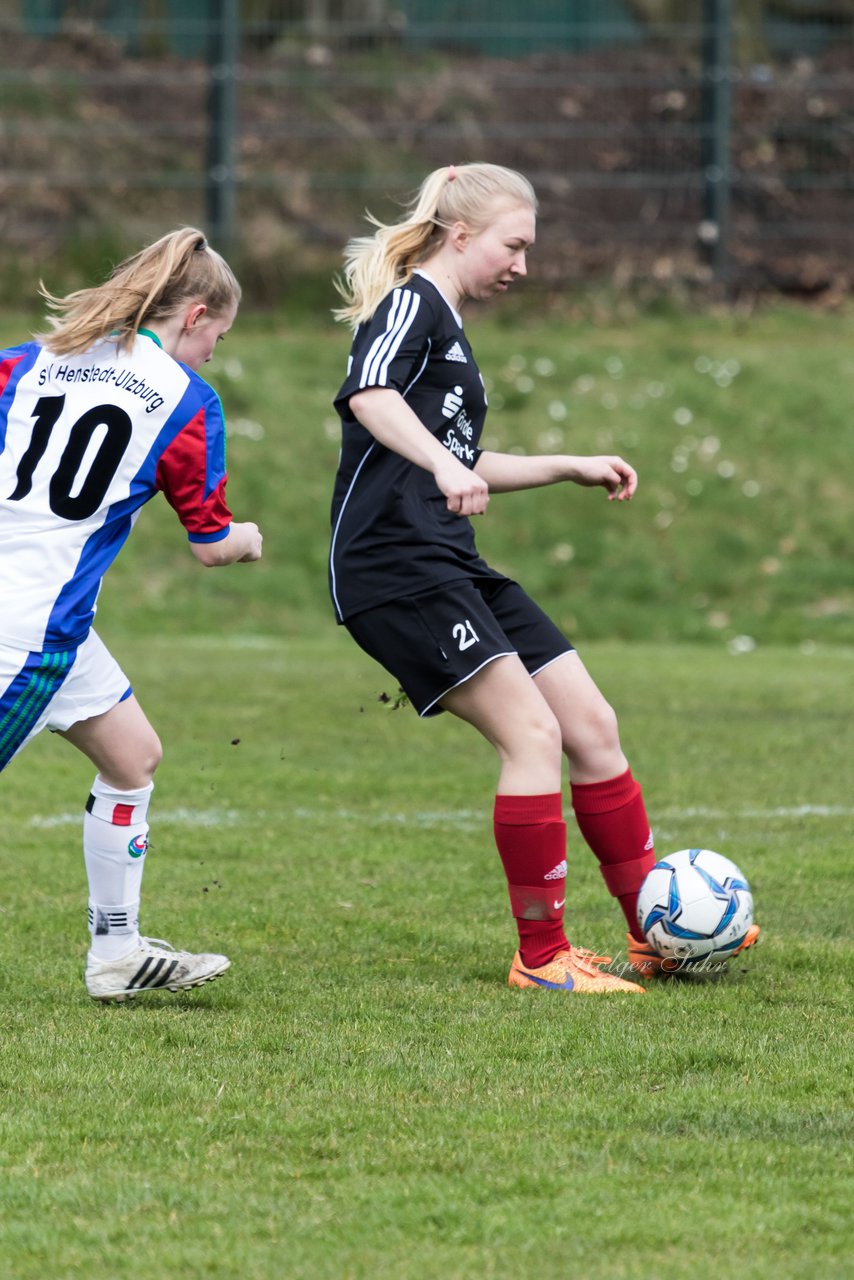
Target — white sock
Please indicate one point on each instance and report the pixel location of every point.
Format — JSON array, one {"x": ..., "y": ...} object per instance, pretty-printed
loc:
[{"x": 115, "y": 840}]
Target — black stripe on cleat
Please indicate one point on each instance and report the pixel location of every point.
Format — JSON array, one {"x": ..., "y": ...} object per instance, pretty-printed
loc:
[
  {"x": 161, "y": 982},
  {"x": 137, "y": 979}
]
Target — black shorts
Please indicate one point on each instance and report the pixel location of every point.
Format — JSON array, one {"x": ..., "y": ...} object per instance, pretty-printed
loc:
[{"x": 434, "y": 641}]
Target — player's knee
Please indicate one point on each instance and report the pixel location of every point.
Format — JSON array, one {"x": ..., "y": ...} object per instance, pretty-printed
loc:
[
  {"x": 595, "y": 736},
  {"x": 539, "y": 735},
  {"x": 150, "y": 757},
  {"x": 138, "y": 768},
  {"x": 604, "y": 729},
  {"x": 155, "y": 755}
]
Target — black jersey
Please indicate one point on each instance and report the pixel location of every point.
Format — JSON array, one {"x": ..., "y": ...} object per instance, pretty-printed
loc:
[{"x": 392, "y": 532}]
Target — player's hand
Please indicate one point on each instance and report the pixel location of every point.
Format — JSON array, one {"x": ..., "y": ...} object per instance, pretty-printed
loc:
[
  {"x": 467, "y": 493},
  {"x": 612, "y": 473},
  {"x": 251, "y": 541}
]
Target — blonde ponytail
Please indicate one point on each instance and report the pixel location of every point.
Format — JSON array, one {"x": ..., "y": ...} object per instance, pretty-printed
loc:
[
  {"x": 373, "y": 265},
  {"x": 152, "y": 285}
]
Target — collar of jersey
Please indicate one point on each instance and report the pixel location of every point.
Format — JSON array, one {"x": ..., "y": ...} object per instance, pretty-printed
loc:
[
  {"x": 146, "y": 333},
  {"x": 419, "y": 271}
]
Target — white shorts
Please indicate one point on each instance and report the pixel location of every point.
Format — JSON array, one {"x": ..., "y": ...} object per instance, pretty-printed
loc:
[{"x": 55, "y": 690}]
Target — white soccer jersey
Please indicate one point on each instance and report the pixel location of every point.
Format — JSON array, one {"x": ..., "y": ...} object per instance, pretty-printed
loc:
[{"x": 85, "y": 441}]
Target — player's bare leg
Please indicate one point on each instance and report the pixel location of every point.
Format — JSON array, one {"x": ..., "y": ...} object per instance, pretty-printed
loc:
[
  {"x": 121, "y": 744},
  {"x": 588, "y": 724},
  {"x": 607, "y": 800},
  {"x": 504, "y": 704}
]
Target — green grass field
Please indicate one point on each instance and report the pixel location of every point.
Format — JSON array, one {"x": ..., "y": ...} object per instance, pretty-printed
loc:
[{"x": 362, "y": 1096}]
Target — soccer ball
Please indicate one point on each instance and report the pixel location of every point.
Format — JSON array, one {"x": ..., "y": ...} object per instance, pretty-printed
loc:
[{"x": 695, "y": 905}]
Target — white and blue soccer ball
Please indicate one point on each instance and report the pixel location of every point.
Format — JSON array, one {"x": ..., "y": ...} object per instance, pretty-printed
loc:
[{"x": 695, "y": 905}]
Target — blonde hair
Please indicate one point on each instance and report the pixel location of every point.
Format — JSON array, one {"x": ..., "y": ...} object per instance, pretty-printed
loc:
[
  {"x": 151, "y": 285},
  {"x": 465, "y": 193}
]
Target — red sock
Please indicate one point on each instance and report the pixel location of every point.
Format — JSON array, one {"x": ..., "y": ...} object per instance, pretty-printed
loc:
[
  {"x": 613, "y": 821},
  {"x": 531, "y": 837}
]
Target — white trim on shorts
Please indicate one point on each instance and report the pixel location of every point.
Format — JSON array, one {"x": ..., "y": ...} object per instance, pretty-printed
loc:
[
  {"x": 511, "y": 653},
  {"x": 556, "y": 658}
]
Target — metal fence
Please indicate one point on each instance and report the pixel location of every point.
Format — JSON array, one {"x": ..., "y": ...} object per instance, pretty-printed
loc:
[{"x": 676, "y": 141}]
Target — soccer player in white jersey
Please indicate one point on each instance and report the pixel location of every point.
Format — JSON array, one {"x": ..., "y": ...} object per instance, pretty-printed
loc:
[
  {"x": 96, "y": 417},
  {"x": 408, "y": 583}
]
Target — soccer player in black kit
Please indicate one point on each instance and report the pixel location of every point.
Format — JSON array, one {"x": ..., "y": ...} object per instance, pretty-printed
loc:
[{"x": 409, "y": 585}]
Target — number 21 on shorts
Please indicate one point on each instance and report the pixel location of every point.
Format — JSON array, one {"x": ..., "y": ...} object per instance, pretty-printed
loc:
[{"x": 464, "y": 634}]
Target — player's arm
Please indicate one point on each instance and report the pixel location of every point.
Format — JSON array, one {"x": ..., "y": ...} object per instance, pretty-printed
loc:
[
  {"x": 191, "y": 474},
  {"x": 391, "y": 422},
  {"x": 241, "y": 544},
  {"x": 507, "y": 472}
]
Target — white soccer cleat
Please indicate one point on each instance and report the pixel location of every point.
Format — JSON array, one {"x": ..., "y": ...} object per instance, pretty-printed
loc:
[{"x": 153, "y": 966}]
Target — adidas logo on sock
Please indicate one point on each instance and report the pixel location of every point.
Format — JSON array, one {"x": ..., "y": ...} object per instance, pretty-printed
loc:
[
  {"x": 557, "y": 873},
  {"x": 456, "y": 353}
]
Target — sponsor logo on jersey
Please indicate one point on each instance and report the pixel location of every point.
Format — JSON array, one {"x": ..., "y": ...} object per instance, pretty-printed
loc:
[
  {"x": 458, "y": 448},
  {"x": 453, "y": 402},
  {"x": 456, "y": 353},
  {"x": 461, "y": 426}
]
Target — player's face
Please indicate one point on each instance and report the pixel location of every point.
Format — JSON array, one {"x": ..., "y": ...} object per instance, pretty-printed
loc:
[
  {"x": 200, "y": 336},
  {"x": 496, "y": 256}
]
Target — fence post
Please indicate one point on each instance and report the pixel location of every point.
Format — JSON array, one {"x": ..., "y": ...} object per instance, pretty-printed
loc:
[
  {"x": 716, "y": 113},
  {"x": 222, "y": 120}
]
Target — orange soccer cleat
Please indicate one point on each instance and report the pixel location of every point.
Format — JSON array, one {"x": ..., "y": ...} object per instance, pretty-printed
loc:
[
  {"x": 572, "y": 970},
  {"x": 649, "y": 964}
]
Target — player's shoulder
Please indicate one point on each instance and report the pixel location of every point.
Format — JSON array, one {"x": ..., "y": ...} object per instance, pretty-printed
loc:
[
  {"x": 200, "y": 391},
  {"x": 415, "y": 295},
  {"x": 407, "y": 309},
  {"x": 428, "y": 296},
  {"x": 181, "y": 384},
  {"x": 28, "y": 348},
  {"x": 423, "y": 286}
]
